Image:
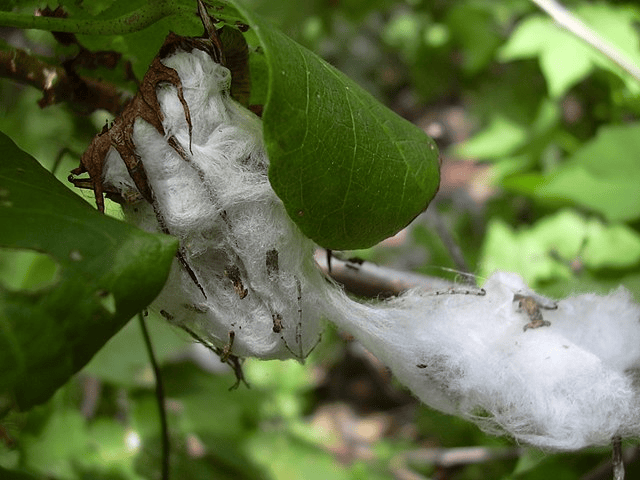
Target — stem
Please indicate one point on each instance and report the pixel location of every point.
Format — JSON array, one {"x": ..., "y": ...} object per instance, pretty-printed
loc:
[
  {"x": 618, "y": 464},
  {"x": 436, "y": 221},
  {"x": 128, "y": 23},
  {"x": 570, "y": 22},
  {"x": 162, "y": 412}
]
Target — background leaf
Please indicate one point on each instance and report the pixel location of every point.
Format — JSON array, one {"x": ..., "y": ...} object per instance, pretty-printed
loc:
[
  {"x": 603, "y": 175},
  {"x": 564, "y": 59},
  {"x": 106, "y": 272},
  {"x": 556, "y": 245},
  {"x": 349, "y": 171}
]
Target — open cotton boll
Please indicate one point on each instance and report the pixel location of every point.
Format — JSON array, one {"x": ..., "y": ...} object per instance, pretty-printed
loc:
[
  {"x": 565, "y": 386},
  {"x": 256, "y": 287}
]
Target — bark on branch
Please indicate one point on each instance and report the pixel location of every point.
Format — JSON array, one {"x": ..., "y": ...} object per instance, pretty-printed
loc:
[{"x": 57, "y": 85}]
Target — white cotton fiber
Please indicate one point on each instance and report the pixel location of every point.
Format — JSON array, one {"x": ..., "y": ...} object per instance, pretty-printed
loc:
[
  {"x": 256, "y": 270},
  {"x": 565, "y": 386}
]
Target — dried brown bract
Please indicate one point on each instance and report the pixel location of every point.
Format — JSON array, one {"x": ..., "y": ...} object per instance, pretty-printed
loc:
[
  {"x": 120, "y": 134},
  {"x": 146, "y": 107}
]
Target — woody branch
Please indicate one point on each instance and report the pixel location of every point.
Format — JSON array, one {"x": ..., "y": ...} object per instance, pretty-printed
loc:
[{"x": 57, "y": 85}]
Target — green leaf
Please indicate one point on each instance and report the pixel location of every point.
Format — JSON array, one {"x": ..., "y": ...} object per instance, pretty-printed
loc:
[
  {"x": 474, "y": 28},
  {"x": 564, "y": 59},
  {"x": 124, "y": 358},
  {"x": 50, "y": 451},
  {"x": 15, "y": 475},
  {"x": 284, "y": 456},
  {"x": 604, "y": 175},
  {"x": 529, "y": 460},
  {"x": 349, "y": 171},
  {"x": 105, "y": 271},
  {"x": 614, "y": 246},
  {"x": 515, "y": 111},
  {"x": 546, "y": 251},
  {"x": 501, "y": 137}
]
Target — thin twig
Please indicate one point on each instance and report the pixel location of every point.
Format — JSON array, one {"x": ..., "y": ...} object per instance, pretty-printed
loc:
[
  {"x": 371, "y": 280},
  {"x": 233, "y": 361},
  {"x": 605, "y": 471},
  {"x": 570, "y": 22},
  {"x": 162, "y": 411},
  {"x": 618, "y": 464},
  {"x": 435, "y": 219},
  {"x": 447, "y": 458}
]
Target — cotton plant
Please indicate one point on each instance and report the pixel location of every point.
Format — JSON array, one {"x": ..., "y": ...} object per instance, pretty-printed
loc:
[{"x": 555, "y": 374}]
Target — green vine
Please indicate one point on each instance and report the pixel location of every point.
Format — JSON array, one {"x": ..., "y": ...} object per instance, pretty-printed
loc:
[{"x": 131, "y": 22}]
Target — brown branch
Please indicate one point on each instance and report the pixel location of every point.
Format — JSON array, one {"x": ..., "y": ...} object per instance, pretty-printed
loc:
[
  {"x": 57, "y": 85},
  {"x": 447, "y": 459},
  {"x": 370, "y": 280}
]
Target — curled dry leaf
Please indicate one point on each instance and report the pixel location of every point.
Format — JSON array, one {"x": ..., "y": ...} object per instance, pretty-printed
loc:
[{"x": 119, "y": 135}]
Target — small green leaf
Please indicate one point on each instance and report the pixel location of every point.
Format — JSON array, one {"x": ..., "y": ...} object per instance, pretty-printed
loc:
[
  {"x": 501, "y": 137},
  {"x": 604, "y": 175},
  {"x": 529, "y": 460},
  {"x": 614, "y": 246},
  {"x": 104, "y": 272},
  {"x": 124, "y": 358},
  {"x": 349, "y": 171}
]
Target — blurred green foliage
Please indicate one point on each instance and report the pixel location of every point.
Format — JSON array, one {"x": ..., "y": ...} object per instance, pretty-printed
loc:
[{"x": 555, "y": 126}]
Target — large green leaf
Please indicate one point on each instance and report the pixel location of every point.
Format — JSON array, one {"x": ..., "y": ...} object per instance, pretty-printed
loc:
[
  {"x": 603, "y": 175},
  {"x": 349, "y": 171},
  {"x": 564, "y": 59},
  {"x": 106, "y": 272}
]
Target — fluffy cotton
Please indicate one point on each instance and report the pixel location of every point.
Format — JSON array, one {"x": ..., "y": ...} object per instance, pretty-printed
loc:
[
  {"x": 257, "y": 272},
  {"x": 565, "y": 386}
]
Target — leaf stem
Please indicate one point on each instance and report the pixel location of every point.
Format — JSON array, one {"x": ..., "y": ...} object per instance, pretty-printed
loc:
[
  {"x": 133, "y": 21},
  {"x": 570, "y": 22},
  {"x": 162, "y": 411}
]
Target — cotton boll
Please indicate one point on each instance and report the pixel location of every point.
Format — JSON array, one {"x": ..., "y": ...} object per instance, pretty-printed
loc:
[
  {"x": 255, "y": 281},
  {"x": 566, "y": 386}
]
